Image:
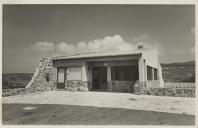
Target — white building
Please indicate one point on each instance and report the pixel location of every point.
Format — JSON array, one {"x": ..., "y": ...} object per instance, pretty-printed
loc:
[{"x": 108, "y": 71}]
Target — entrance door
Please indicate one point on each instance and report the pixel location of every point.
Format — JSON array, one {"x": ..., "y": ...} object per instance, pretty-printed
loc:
[
  {"x": 99, "y": 78},
  {"x": 61, "y": 78},
  {"x": 95, "y": 78}
]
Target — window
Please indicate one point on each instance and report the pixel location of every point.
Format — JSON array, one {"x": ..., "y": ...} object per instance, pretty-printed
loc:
[
  {"x": 155, "y": 74},
  {"x": 149, "y": 73},
  {"x": 74, "y": 73},
  {"x": 124, "y": 73}
]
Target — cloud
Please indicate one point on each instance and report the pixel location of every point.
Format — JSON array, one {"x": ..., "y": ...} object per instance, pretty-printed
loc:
[
  {"x": 44, "y": 46},
  {"x": 65, "y": 48},
  {"x": 192, "y": 50},
  {"x": 108, "y": 43}
]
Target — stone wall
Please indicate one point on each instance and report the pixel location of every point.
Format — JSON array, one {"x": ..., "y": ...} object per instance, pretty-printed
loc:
[
  {"x": 44, "y": 77},
  {"x": 179, "y": 85},
  {"x": 121, "y": 86},
  {"x": 76, "y": 85},
  {"x": 139, "y": 88},
  {"x": 175, "y": 92},
  {"x": 152, "y": 88},
  {"x": 15, "y": 91}
]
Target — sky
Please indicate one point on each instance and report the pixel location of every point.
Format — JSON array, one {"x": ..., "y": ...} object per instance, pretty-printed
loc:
[{"x": 31, "y": 32}]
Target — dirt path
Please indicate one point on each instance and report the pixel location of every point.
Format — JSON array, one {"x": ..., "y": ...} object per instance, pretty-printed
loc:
[
  {"x": 55, "y": 114},
  {"x": 177, "y": 105}
]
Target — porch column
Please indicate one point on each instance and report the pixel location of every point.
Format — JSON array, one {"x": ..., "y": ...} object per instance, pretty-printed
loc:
[
  {"x": 90, "y": 78},
  {"x": 141, "y": 69},
  {"x": 84, "y": 74},
  {"x": 109, "y": 78},
  {"x": 152, "y": 73},
  {"x": 108, "y": 73},
  {"x": 145, "y": 71}
]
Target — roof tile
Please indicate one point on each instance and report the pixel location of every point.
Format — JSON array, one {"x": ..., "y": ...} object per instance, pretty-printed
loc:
[{"x": 98, "y": 54}]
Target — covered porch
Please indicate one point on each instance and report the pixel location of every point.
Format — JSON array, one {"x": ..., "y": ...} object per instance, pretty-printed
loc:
[{"x": 116, "y": 76}]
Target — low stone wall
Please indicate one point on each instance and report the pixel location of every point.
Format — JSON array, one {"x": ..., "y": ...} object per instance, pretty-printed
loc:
[
  {"x": 152, "y": 88},
  {"x": 11, "y": 92},
  {"x": 44, "y": 77},
  {"x": 121, "y": 86},
  {"x": 76, "y": 85},
  {"x": 179, "y": 85},
  {"x": 139, "y": 88},
  {"x": 171, "y": 92}
]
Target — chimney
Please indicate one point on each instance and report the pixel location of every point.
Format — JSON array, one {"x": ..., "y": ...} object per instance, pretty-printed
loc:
[{"x": 140, "y": 46}]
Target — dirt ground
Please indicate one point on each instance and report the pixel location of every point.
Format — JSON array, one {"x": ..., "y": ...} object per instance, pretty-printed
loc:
[
  {"x": 177, "y": 105},
  {"x": 54, "y": 114}
]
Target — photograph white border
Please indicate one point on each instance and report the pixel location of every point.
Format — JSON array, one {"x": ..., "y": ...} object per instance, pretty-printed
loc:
[{"x": 145, "y": 2}]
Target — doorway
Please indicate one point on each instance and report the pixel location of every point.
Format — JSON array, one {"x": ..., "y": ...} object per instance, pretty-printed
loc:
[
  {"x": 61, "y": 71},
  {"x": 99, "y": 78}
]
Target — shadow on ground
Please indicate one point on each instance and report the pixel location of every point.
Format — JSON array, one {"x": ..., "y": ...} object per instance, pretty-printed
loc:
[{"x": 52, "y": 114}]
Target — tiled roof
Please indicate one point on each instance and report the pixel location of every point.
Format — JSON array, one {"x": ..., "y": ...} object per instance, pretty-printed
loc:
[{"x": 98, "y": 54}]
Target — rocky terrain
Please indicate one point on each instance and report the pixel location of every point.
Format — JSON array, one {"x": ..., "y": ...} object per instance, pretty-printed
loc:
[
  {"x": 179, "y": 72},
  {"x": 15, "y": 80}
]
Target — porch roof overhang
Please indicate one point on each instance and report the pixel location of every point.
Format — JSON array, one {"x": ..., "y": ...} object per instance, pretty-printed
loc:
[{"x": 97, "y": 55}]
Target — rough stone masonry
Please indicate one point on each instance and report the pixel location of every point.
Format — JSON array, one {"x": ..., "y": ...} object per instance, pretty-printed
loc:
[{"x": 44, "y": 77}]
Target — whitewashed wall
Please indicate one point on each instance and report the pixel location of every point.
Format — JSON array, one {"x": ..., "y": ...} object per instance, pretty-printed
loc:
[
  {"x": 74, "y": 73},
  {"x": 151, "y": 57}
]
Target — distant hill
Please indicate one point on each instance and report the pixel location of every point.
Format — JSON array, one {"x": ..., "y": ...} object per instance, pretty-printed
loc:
[
  {"x": 15, "y": 80},
  {"x": 179, "y": 64},
  {"x": 179, "y": 72}
]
